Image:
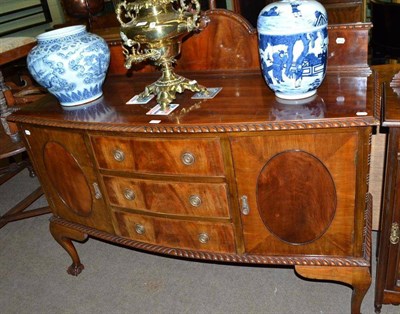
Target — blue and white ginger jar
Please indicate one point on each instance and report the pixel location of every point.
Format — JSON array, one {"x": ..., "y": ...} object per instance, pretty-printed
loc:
[
  {"x": 293, "y": 47},
  {"x": 70, "y": 63}
]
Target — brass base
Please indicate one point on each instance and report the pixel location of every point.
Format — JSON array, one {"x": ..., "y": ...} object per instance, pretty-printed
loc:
[{"x": 166, "y": 88}]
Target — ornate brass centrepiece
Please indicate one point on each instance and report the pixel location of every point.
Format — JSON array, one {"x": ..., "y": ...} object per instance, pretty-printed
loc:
[{"x": 154, "y": 29}]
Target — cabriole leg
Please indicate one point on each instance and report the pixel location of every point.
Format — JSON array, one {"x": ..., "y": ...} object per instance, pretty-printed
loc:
[
  {"x": 64, "y": 236},
  {"x": 358, "y": 277}
]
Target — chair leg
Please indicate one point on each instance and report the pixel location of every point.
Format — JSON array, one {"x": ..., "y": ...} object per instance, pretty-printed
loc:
[{"x": 19, "y": 211}]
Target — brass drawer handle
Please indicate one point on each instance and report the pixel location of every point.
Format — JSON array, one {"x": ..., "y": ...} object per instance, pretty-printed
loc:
[
  {"x": 204, "y": 238},
  {"x": 119, "y": 155},
  {"x": 140, "y": 229},
  {"x": 195, "y": 200},
  {"x": 187, "y": 159},
  {"x": 394, "y": 233},
  {"x": 129, "y": 194}
]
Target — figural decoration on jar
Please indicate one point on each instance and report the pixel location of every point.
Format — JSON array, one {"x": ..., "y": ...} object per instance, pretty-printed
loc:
[
  {"x": 153, "y": 30},
  {"x": 293, "y": 47},
  {"x": 71, "y": 64}
]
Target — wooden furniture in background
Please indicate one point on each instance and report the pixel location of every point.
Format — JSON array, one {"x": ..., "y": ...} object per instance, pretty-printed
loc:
[
  {"x": 345, "y": 11},
  {"x": 197, "y": 183},
  {"x": 16, "y": 161},
  {"x": 11, "y": 49},
  {"x": 339, "y": 11},
  {"x": 385, "y": 35},
  {"x": 96, "y": 14},
  {"x": 12, "y": 149},
  {"x": 387, "y": 289},
  {"x": 384, "y": 48},
  {"x": 234, "y": 47}
]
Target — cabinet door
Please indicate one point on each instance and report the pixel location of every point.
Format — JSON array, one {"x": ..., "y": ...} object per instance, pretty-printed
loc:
[
  {"x": 391, "y": 220},
  {"x": 64, "y": 167},
  {"x": 392, "y": 288},
  {"x": 301, "y": 190}
]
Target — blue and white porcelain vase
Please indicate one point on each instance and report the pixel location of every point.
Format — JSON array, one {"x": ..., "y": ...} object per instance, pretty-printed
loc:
[
  {"x": 71, "y": 64},
  {"x": 293, "y": 47}
]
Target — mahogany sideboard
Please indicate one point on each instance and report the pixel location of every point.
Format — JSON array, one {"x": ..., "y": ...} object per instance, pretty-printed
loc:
[
  {"x": 387, "y": 290},
  {"x": 240, "y": 178}
]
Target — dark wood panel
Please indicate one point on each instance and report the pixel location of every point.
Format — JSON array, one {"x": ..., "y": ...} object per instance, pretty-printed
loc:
[
  {"x": 67, "y": 177},
  {"x": 296, "y": 196}
]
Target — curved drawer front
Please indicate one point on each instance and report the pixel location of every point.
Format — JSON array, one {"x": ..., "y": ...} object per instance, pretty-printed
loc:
[
  {"x": 200, "y": 157},
  {"x": 178, "y": 198},
  {"x": 184, "y": 234}
]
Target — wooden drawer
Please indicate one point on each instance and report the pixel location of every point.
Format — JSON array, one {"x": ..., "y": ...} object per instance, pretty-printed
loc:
[
  {"x": 200, "y": 157},
  {"x": 179, "y": 198},
  {"x": 184, "y": 234}
]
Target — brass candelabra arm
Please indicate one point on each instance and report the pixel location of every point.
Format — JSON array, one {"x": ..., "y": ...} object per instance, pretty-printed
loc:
[
  {"x": 193, "y": 7},
  {"x": 124, "y": 12},
  {"x": 133, "y": 56}
]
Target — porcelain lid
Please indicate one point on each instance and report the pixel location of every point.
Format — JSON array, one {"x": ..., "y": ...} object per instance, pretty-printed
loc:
[{"x": 292, "y": 16}]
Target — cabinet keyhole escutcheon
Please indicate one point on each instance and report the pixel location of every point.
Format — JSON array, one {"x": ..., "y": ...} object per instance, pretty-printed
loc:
[
  {"x": 244, "y": 207},
  {"x": 97, "y": 193}
]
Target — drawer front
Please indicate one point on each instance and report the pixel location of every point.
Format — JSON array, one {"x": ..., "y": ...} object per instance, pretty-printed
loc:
[
  {"x": 178, "y": 198},
  {"x": 184, "y": 234},
  {"x": 200, "y": 157}
]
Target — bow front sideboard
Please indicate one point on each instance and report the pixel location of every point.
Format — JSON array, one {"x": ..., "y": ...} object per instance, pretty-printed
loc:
[{"x": 240, "y": 178}]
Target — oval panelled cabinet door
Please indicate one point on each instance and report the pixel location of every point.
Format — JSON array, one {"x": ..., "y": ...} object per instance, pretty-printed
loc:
[
  {"x": 68, "y": 178},
  {"x": 296, "y": 197}
]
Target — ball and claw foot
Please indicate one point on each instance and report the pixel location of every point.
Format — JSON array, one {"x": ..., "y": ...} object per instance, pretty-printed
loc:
[
  {"x": 75, "y": 270},
  {"x": 378, "y": 308}
]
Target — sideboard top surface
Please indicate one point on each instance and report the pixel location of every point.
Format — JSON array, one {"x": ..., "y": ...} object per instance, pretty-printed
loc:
[{"x": 245, "y": 103}]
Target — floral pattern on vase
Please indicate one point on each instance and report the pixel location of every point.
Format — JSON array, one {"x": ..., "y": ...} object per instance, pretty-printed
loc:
[
  {"x": 70, "y": 63},
  {"x": 293, "y": 47}
]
